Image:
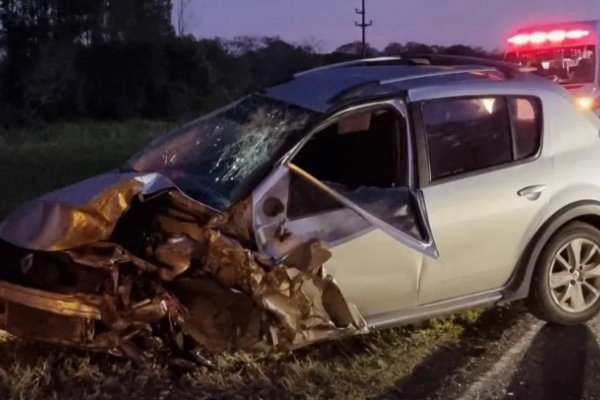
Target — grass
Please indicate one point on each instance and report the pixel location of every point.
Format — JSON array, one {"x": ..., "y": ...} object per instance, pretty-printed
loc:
[
  {"x": 400, "y": 363},
  {"x": 35, "y": 160}
]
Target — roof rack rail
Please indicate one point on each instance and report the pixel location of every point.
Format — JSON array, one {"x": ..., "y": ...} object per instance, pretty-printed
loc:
[
  {"x": 507, "y": 68},
  {"x": 454, "y": 71},
  {"x": 354, "y": 63}
]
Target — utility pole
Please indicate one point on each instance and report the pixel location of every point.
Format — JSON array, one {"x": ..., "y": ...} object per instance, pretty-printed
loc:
[{"x": 363, "y": 25}]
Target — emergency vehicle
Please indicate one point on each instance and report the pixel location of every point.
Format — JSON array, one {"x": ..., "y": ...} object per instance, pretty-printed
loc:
[{"x": 566, "y": 53}]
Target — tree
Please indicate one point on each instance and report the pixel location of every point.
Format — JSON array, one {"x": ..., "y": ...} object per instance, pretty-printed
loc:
[
  {"x": 355, "y": 49},
  {"x": 277, "y": 61},
  {"x": 139, "y": 20},
  {"x": 122, "y": 59},
  {"x": 394, "y": 49},
  {"x": 462, "y": 50},
  {"x": 241, "y": 45},
  {"x": 312, "y": 45},
  {"x": 414, "y": 48},
  {"x": 42, "y": 39},
  {"x": 26, "y": 26},
  {"x": 46, "y": 84}
]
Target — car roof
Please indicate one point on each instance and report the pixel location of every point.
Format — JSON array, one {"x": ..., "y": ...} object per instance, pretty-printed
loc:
[{"x": 331, "y": 87}]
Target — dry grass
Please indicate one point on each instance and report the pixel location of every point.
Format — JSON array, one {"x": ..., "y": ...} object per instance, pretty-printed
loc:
[
  {"x": 407, "y": 362},
  {"x": 37, "y": 159}
]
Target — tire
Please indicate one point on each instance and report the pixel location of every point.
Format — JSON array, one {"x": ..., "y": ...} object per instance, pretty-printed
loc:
[{"x": 563, "y": 284}]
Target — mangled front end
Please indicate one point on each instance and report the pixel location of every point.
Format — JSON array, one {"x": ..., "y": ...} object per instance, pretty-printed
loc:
[{"x": 126, "y": 263}]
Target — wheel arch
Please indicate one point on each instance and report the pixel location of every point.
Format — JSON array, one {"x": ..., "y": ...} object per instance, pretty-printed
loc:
[{"x": 519, "y": 284}]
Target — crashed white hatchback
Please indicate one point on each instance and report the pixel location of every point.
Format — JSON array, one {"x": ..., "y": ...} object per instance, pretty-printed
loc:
[{"x": 356, "y": 196}]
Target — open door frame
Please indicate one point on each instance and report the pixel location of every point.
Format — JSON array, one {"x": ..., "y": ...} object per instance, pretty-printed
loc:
[{"x": 276, "y": 235}]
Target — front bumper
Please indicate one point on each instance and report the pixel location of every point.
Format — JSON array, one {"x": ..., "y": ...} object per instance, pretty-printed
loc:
[{"x": 40, "y": 315}]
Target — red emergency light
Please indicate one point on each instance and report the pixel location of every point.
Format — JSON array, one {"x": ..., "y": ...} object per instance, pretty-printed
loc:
[{"x": 540, "y": 37}]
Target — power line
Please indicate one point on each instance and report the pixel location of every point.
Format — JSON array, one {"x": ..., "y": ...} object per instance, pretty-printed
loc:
[{"x": 363, "y": 25}]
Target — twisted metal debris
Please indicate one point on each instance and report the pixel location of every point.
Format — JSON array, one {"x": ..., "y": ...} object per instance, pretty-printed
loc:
[{"x": 127, "y": 264}]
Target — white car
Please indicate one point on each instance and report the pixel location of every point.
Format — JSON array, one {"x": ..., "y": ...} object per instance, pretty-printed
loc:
[{"x": 436, "y": 183}]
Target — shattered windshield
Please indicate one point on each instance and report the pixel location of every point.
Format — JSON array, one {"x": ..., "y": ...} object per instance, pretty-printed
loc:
[
  {"x": 565, "y": 65},
  {"x": 218, "y": 158}
]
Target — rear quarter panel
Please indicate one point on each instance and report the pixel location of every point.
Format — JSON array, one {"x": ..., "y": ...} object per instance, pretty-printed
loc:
[{"x": 575, "y": 138}]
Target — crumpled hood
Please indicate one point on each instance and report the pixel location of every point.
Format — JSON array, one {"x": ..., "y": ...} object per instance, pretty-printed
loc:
[
  {"x": 128, "y": 255},
  {"x": 80, "y": 214}
]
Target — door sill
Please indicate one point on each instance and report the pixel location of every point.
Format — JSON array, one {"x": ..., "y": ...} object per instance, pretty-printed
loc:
[{"x": 403, "y": 317}]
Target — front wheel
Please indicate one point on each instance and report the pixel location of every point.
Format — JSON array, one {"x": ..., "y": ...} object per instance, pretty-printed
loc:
[{"x": 566, "y": 284}]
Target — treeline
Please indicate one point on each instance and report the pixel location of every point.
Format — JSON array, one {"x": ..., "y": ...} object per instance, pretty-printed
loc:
[{"x": 116, "y": 59}]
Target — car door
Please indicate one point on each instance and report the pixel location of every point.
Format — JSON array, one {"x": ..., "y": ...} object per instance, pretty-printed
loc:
[
  {"x": 348, "y": 185},
  {"x": 486, "y": 175}
]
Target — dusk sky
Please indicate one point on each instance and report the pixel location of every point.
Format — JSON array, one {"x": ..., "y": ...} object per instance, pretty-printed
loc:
[{"x": 474, "y": 22}]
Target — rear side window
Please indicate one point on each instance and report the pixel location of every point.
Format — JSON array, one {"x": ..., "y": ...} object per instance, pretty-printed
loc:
[
  {"x": 465, "y": 135},
  {"x": 469, "y": 134},
  {"x": 527, "y": 126}
]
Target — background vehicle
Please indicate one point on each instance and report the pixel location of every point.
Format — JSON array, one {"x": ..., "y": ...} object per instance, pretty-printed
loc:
[{"x": 566, "y": 53}]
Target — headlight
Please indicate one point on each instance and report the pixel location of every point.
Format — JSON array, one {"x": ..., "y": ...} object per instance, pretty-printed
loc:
[{"x": 586, "y": 102}]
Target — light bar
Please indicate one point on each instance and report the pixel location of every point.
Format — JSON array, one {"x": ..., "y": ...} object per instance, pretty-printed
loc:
[
  {"x": 519, "y": 40},
  {"x": 538, "y": 37},
  {"x": 555, "y": 36},
  {"x": 577, "y": 34}
]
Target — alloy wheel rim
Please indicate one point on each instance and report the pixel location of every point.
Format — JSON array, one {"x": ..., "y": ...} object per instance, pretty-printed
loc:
[{"x": 574, "y": 276}]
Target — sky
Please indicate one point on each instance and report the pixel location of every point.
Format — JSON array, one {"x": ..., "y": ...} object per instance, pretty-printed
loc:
[{"x": 485, "y": 23}]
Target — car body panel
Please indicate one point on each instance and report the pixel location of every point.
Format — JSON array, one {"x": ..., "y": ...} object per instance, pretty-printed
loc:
[
  {"x": 481, "y": 226},
  {"x": 480, "y": 223},
  {"x": 86, "y": 207},
  {"x": 393, "y": 268},
  {"x": 378, "y": 274},
  {"x": 351, "y": 233},
  {"x": 437, "y": 309},
  {"x": 319, "y": 91},
  {"x": 332, "y": 227},
  {"x": 576, "y": 143}
]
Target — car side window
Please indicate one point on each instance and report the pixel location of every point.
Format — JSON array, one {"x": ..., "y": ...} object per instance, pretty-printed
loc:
[
  {"x": 466, "y": 134},
  {"x": 359, "y": 150},
  {"x": 527, "y": 126},
  {"x": 363, "y": 158}
]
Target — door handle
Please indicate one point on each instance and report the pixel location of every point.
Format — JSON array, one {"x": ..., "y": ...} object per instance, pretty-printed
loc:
[{"x": 532, "y": 192}]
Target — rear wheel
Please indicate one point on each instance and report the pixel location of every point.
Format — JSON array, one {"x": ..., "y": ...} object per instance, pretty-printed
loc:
[{"x": 566, "y": 283}]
